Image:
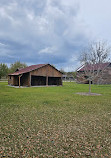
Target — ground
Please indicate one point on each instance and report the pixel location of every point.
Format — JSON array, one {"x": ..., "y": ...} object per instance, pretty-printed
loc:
[{"x": 55, "y": 121}]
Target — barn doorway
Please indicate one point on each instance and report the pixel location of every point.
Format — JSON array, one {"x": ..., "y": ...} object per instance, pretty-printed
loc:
[
  {"x": 24, "y": 79},
  {"x": 41, "y": 81},
  {"x": 16, "y": 81},
  {"x": 38, "y": 80},
  {"x": 54, "y": 81}
]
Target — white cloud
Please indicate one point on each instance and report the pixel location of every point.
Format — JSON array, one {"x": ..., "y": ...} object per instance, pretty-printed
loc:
[
  {"x": 48, "y": 50},
  {"x": 42, "y": 31},
  {"x": 2, "y": 44}
]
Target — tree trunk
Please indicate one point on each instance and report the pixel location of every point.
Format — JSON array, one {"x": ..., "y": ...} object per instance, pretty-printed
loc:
[{"x": 89, "y": 86}]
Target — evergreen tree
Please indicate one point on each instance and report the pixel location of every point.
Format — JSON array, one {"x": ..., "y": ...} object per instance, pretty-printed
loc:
[{"x": 3, "y": 70}]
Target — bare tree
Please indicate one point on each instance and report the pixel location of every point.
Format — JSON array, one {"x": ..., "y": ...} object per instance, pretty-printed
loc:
[{"x": 93, "y": 59}]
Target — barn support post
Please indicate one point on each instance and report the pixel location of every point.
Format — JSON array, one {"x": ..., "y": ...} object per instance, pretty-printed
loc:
[
  {"x": 19, "y": 80},
  {"x": 30, "y": 80},
  {"x": 46, "y": 80},
  {"x": 47, "y": 72}
]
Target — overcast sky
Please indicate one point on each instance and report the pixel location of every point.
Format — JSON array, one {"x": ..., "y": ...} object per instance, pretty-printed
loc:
[{"x": 51, "y": 31}]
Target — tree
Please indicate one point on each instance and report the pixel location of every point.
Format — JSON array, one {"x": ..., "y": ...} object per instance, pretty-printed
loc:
[
  {"x": 63, "y": 72},
  {"x": 92, "y": 59},
  {"x": 72, "y": 73},
  {"x": 3, "y": 70},
  {"x": 16, "y": 65}
]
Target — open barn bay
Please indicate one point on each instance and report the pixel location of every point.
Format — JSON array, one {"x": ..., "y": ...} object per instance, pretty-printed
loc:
[{"x": 55, "y": 121}]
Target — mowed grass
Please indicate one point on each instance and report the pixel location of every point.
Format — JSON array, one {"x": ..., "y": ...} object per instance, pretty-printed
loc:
[{"x": 55, "y": 121}]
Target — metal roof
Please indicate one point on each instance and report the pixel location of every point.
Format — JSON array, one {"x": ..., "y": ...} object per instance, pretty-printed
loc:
[
  {"x": 95, "y": 67},
  {"x": 28, "y": 69}
]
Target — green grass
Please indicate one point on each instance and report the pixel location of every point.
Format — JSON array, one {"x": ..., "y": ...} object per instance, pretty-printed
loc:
[{"x": 55, "y": 121}]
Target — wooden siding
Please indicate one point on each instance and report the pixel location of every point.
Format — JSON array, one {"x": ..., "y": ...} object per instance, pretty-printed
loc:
[
  {"x": 46, "y": 71},
  {"x": 13, "y": 80},
  {"x": 104, "y": 78},
  {"x": 10, "y": 80}
]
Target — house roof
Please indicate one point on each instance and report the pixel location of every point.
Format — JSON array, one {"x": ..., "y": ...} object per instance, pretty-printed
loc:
[
  {"x": 29, "y": 69},
  {"x": 95, "y": 67}
]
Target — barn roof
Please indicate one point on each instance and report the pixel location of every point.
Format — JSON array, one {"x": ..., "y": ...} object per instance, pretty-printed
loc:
[
  {"x": 95, "y": 67},
  {"x": 29, "y": 69}
]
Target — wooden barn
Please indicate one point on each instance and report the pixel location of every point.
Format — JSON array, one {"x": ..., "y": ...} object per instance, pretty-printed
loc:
[
  {"x": 103, "y": 78},
  {"x": 36, "y": 75}
]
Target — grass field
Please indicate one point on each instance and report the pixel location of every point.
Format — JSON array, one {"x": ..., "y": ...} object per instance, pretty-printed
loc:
[{"x": 55, "y": 122}]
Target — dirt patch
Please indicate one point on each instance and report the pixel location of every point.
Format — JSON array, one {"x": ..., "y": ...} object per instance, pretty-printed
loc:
[{"x": 88, "y": 94}]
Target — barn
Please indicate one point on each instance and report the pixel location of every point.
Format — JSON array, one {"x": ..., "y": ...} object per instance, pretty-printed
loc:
[
  {"x": 103, "y": 78},
  {"x": 36, "y": 75}
]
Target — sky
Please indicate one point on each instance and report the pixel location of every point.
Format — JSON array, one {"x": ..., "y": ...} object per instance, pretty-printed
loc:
[{"x": 51, "y": 31}]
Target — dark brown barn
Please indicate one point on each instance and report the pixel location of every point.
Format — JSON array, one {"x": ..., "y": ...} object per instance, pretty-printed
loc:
[
  {"x": 104, "y": 78},
  {"x": 36, "y": 75}
]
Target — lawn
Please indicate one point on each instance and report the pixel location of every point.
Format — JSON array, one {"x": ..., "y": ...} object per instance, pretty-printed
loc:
[{"x": 54, "y": 122}]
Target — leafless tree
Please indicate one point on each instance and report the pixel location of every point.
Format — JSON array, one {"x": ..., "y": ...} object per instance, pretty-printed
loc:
[{"x": 92, "y": 59}]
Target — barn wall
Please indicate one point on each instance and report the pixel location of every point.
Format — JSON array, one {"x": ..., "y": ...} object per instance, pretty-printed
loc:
[
  {"x": 46, "y": 71},
  {"x": 105, "y": 78},
  {"x": 11, "y": 80},
  {"x": 81, "y": 78}
]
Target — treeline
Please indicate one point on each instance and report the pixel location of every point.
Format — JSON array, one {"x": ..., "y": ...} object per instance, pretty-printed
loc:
[
  {"x": 71, "y": 73},
  {"x": 5, "y": 70}
]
